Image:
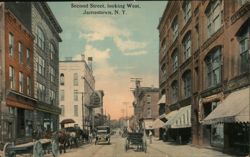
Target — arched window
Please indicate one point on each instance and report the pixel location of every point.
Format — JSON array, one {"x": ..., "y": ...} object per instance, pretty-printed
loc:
[
  {"x": 175, "y": 60},
  {"x": 62, "y": 79},
  {"x": 40, "y": 40},
  {"x": 187, "y": 10},
  {"x": 52, "y": 51},
  {"x": 187, "y": 84},
  {"x": 174, "y": 27},
  {"x": 174, "y": 93},
  {"x": 213, "y": 67},
  {"x": 187, "y": 45},
  {"x": 214, "y": 16}
]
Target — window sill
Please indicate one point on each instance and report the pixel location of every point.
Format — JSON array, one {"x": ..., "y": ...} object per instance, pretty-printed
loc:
[
  {"x": 185, "y": 63},
  {"x": 212, "y": 38}
]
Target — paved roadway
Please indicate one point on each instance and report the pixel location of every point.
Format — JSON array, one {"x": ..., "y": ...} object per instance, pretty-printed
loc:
[{"x": 115, "y": 149}]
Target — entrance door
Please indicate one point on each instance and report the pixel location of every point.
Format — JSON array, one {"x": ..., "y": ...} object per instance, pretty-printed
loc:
[{"x": 20, "y": 123}]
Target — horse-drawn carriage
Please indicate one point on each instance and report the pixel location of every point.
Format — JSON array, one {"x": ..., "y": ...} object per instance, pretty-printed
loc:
[{"x": 136, "y": 138}]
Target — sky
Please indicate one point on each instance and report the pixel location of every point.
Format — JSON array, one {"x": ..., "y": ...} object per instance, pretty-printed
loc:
[{"x": 123, "y": 46}]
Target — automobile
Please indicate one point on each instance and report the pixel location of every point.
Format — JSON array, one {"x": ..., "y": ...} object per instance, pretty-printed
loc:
[{"x": 102, "y": 134}]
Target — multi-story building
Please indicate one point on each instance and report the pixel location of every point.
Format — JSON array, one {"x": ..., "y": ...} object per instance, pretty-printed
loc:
[
  {"x": 145, "y": 105},
  {"x": 46, "y": 57},
  {"x": 19, "y": 99},
  {"x": 77, "y": 84},
  {"x": 29, "y": 69},
  {"x": 204, "y": 62}
]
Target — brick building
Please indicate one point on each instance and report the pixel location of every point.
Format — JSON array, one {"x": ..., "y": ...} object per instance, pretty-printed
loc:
[
  {"x": 204, "y": 62},
  {"x": 19, "y": 80},
  {"x": 145, "y": 105}
]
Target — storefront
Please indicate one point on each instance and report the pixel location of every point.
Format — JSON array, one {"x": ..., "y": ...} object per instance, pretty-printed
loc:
[
  {"x": 178, "y": 127},
  {"x": 229, "y": 122}
]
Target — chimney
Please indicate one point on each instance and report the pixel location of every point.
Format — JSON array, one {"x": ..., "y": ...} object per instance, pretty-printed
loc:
[{"x": 90, "y": 60}]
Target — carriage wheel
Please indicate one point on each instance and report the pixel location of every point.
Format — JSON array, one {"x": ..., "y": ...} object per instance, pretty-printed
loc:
[{"x": 7, "y": 152}]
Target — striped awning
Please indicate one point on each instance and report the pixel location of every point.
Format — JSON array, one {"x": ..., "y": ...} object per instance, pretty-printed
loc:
[
  {"x": 234, "y": 108},
  {"x": 181, "y": 119},
  {"x": 158, "y": 123}
]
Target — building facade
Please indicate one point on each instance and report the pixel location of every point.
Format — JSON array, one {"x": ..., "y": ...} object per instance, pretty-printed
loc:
[
  {"x": 203, "y": 58},
  {"x": 145, "y": 106},
  {"x": 77, "y": 84},
  {"x": 29, "y": 86},
  {"x": 46, "y": 64}
]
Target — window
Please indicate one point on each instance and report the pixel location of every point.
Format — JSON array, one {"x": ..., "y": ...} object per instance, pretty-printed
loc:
[
  {"x": 40, "y": 38},
  {"x": 52, "y": 51},
  {"x": 62, "y": 79},
  {"x": 75, "y": 95},
  {"x": 175, "y": 28},
  {"x": 187, "y": 46},
  {"x": 52, "y": 96},
  {"x": 164, "y": 46},
  {"x": 242, "y": 2},
  {"x": 63, "y": 110},
  {"x": 174, "y": 95},
  {"x": 29, "y": 82},
  {"x": 41, "y": 66},
  {"x": 213, "y": 65},
  {"x": 52, "y": 74},
  {"x": 148, "y": 99},
  {"x": 175, "y": 60},
  {"x": 76, "y": 110},
  {"x": 62, "y": 95},
  {"x": 75, "y": 79},
  {"x": 214, "y": 16},
  {"x": 187, "y": 84},
  {"x": 12, "y": 77},
  {"x": 11, "y": 44},
  {"x": 41, "y": 92},
  {"x": 163, "y": 70},
  {"x": 244, "y": 55},
  {"x": 28, "y": 57},
  {"x": 21, "y": 82},
  {"x": 187, "y": 10},
  {"x": 20, "y": 52}
]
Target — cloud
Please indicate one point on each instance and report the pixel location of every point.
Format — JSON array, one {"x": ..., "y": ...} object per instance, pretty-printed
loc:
[{"x": 99, "y": 28}]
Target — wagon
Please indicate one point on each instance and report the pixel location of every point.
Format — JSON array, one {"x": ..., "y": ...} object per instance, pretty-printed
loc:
[{"x": 137, "y": 139}]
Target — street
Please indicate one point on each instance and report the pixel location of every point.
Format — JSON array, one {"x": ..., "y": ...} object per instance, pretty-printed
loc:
[{"x": 156, "y": 149}]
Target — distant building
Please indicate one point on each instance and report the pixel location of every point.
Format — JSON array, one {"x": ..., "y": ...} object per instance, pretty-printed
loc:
[
  {"x": 204, "y": 65},
  {"x": 145, "y": 105},
  {"x": 77, "y": 84}
]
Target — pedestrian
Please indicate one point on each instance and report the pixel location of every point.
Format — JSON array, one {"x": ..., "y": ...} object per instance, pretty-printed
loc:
[
  {"x": 150, "y": 136},
  {"x": 90, "y": 137}
]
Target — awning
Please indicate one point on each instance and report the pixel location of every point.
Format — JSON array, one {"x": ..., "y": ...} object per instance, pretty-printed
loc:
[
  {"x": 148, "y": 124},
  {"x": 158, "y": 123},
  {"x": 181, "y": 119},
  {"x": 162, "y": 100},
  {"x": 235, "y": 108}
]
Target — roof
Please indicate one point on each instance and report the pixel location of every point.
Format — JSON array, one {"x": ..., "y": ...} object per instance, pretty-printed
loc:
[{"x": 234, "y": 108}]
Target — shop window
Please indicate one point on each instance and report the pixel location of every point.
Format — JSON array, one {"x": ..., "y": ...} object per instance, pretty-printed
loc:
[{"x": 217, "y": 135}]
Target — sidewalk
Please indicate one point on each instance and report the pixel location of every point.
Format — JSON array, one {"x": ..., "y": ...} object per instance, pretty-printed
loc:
[{"x": 172, "y": 150}]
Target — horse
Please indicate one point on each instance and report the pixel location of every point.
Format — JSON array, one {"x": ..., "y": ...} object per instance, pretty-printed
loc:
[{"x": 63, "y": 139}]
